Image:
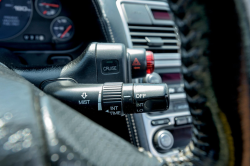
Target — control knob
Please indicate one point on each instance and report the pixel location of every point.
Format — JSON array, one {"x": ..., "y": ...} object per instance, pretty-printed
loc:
[
  {"x": 153, "y": 78},
  {"x": 163, "y": 140}
]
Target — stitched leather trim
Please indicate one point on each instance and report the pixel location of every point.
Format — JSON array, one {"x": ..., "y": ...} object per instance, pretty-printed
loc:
[
  {"x": 135, "y": 131},
  {"x": 100, "y": 19},
  {"x": 104, "y": 21}
]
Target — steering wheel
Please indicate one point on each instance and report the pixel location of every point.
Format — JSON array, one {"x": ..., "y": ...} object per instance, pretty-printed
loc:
[{"x": 36, "y": 129}]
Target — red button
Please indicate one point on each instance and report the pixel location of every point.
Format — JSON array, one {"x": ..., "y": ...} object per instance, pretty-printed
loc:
[{"x": 150, "y": 62}]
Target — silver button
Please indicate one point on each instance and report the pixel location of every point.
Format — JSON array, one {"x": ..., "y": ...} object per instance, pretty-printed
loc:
[
  {"x": 163, "y": 140},
  {"x": 166, "y": 140}
]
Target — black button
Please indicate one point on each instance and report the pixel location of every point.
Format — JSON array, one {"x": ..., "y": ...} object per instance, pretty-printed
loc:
[
  {"x": 183, "y": 120},
  {"x": 59, "y": 60},
  {"x": 110, "y": 66},
  {"x": 181, "y": 106},
  {"x": 160, "y": 122}
]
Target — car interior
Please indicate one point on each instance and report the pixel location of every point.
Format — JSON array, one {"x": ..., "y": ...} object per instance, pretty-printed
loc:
[{"x": 124, "y": 82}]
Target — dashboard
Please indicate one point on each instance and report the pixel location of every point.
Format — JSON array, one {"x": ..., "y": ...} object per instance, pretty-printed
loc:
[{"x": 52, "y": 32}]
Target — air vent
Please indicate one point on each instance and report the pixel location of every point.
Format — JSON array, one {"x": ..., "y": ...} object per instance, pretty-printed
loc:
[
  {"x": 140, "y": 36},
  {"x": 163, "y": 41}
]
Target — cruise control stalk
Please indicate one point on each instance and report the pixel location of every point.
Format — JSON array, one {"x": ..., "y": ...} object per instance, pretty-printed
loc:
[{"x": 113, "y": 98}]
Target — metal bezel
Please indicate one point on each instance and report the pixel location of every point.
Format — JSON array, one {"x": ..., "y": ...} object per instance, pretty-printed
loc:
[
  {"x": 51, "y": 30},
  {"x": 157, "y": 139},
  {"x": 48, "y": 17}
]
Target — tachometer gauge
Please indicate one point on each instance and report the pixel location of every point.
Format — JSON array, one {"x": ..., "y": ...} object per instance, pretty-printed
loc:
[
  {"x": 48, "y": 8},
  {"x": 62, "y": 28},
  {"x": 15, "y": 16}
]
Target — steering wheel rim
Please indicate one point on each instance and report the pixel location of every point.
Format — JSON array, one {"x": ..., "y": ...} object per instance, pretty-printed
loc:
[{"x": 213, "y": 80}]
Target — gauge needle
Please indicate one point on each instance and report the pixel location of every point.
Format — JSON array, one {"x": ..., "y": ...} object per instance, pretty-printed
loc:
[
  {"x": 66, "y": 31},
  {"x": 50, "y": 4},
  {"x": 45, "y": 11}
]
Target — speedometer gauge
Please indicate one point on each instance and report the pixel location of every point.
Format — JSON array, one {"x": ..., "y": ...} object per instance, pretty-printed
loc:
[
  {"x": 15, "y": 16},
  {"x": 48, "y": 8},
  {"x": 62, "y": 28}
]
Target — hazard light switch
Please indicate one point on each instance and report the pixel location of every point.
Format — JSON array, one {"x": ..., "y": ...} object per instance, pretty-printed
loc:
[
  {"x": 142, "y": 62},
  {"x": 136, "y": 64}
]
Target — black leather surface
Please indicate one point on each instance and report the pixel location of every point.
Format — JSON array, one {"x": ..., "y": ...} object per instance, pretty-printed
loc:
[
  {"x": 81, "y": 69},
  {"x": 38, "y": 75},
  {"x": 111, "y": 21},
  {"x": 76, "y": 69},
  {"x": 141, "y": 131}
]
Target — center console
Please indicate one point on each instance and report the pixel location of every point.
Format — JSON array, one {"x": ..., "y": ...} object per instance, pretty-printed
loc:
[{"x": 149, "y": 25}]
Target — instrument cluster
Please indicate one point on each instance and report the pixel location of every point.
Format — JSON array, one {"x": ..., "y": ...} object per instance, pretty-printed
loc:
[
  {"x": 16, "y": 15},
  {"x": 45, "y": 24}
]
